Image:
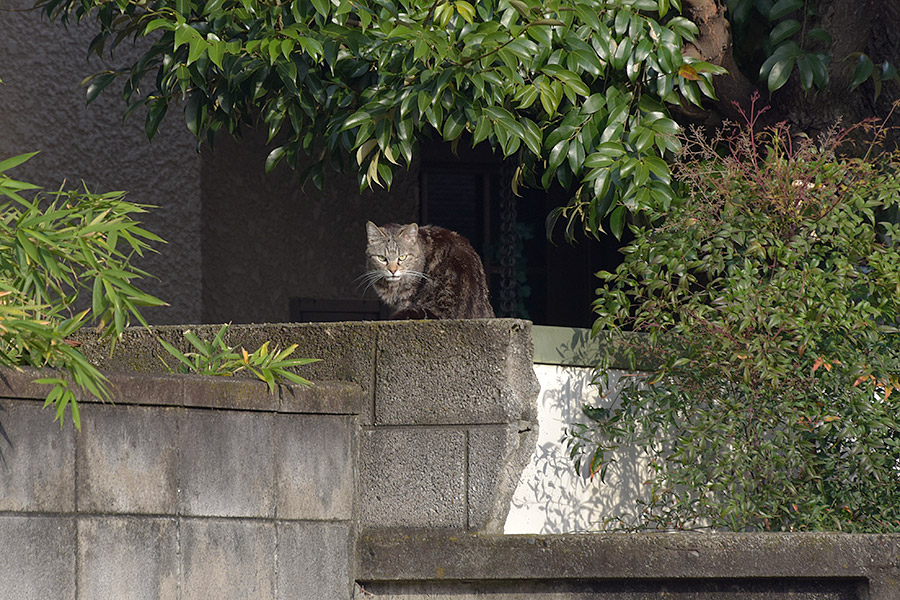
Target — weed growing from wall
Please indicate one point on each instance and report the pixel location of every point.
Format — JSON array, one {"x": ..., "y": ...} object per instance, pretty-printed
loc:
[{"x": 218, "y": 358}]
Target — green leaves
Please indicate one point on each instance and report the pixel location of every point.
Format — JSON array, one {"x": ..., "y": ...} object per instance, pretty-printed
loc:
[
  {"x": 865, "y": 69},
  {"x": 97, "y": 83},
  {"x": 359, "y": 83},
  {"x": 777, "y": 68},
  {"x": 55, "y": 248},
  {"x": 782, "y": 8},
  {"x": 216, "y": 357},
  {"x": 756, "y": 297}
]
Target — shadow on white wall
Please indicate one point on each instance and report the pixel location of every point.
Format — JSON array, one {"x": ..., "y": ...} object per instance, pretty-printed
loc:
[{"x": 551, "y": 496}]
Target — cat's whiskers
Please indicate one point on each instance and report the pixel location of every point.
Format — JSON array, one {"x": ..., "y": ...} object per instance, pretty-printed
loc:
[
  {"x": 368, "y": 279},
  {"x": 418, "y": 275}
]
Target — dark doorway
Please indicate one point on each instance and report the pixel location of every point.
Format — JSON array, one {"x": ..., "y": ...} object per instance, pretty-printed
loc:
[{"x": 555, "y": 281}]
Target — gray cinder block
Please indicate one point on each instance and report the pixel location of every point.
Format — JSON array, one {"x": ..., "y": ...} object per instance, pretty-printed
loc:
[
  {"x": 314, "y": 458},
  {"x": 19, "y": 383},
  {"x": 454, "y": 372},
  {"x": 227, "y": 558},
  {"x": 412, "y": 478},
  {"x": 346, "y": 350},
  {"x": 142, "y": 388},
  {"x": 496, "y": 457},
  {"x": 225, "y": 464},
  {"x": 127, "y": 460},
  {"x": 324, "y": 397},
  {"x": 314, "y": 561},
  {"x": 229, "y": 393},
  {"x": 37, "y": 560},
  {"x": 127, "y": 558},
  {"x": 37, "y": 470}
]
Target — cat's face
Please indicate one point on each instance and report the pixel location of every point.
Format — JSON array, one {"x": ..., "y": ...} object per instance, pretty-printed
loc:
[{"x": 393, "y": 253}]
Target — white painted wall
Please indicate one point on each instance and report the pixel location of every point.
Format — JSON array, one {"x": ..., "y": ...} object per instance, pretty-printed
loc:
[{"x": 551, "y": 496}]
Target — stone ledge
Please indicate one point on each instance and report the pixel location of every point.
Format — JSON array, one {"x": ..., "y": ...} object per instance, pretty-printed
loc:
[
  {"x": 427, "y": 555},
  {"x": 201, "y": 391},
  {"x": 411, "y": 372}
]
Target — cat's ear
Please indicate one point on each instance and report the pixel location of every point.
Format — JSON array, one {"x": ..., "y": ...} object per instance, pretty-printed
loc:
[
  {"x": 410, "y": 233},
  {"x": 375, "y": 233}
]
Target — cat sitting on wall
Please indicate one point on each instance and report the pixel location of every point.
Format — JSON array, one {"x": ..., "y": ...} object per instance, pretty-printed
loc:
[{"x": 426, "y": 272}]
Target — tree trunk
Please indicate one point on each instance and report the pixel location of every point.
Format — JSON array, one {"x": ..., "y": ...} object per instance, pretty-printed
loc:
[{"x": 868, "y": 26}]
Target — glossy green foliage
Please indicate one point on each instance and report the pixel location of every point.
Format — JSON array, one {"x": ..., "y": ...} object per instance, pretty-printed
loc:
[
  {"x": 793, "y": 42},
  {"x": 865, "y": 69},
  {"x": 56, "y": 248},
  {"x": 578, "y": 90},
  {"x": 769, "y": 293}
]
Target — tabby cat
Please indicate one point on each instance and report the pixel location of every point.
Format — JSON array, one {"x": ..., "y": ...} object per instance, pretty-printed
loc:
[{"x": 426, "y": 272}]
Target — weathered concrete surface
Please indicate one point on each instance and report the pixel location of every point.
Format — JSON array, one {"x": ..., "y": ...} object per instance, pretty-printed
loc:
[
  {"x": 37, "y": 472},
  {"x": 36, "y": 557},
  {"x": 452, "y": 372},
  {"x": 312, "y": 484},
  {"x": 496, "y": 456},
  {"x": 152, "y": 388},
  {"x": 454, "y": 423},
  {"x": 228, "y": 559},
  {"x": 127, "y": 460},
  {"x": 177, "y": 500},
  {"x": 449, "y": 415},
  {"x": 413, "y": 475},
  {"x": 136, "y": 556},
  {"x": 758, "y": 566},
  {"x": 315, "y": 560},
  {"x": 421, "y": 372},
  {"x": 630, "y": 589},
  {"x": 219, "y": 472}
]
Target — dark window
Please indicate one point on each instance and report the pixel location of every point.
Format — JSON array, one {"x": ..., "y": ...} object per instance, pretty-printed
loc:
[{"x": 555, "y": 282}]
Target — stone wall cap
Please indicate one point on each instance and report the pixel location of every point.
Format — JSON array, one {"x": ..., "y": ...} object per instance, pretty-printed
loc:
[
  {"x": 416, "y": 555},
  {"x": 198, "y": 391}
]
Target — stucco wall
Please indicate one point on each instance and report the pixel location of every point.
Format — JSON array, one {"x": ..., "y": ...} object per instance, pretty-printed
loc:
[
  {"x": 42, "y": 108},
  {"x": 551, "y": 496},
  {"x": 267, "y": 239},
  {"x": 241, "y": 243}
]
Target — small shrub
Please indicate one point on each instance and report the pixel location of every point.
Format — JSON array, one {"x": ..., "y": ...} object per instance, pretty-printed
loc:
[{"x": 769, "y": 294}]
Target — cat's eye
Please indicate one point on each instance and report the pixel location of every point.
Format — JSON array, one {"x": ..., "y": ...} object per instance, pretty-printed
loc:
[
  {"x": 380, "y": 259},
  {"x": 403, "y": 257}
]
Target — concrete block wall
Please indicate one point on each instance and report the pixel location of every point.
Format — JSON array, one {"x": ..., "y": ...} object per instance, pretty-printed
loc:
[
  {"x": 198, "y": 487},
  {"x": 392, "y": 484},
  {"x": 183, "y": 488},
  {"x": 448, "y": 417}
]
